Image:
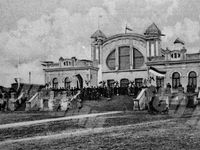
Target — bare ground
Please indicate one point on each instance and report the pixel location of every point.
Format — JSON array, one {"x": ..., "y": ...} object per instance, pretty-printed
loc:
[
  {"x": 166, "y": 134},
  {"x": 129, "y": 130}
]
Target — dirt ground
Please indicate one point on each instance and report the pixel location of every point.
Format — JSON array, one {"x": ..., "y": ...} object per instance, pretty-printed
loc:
[{"x": 127, "y": 130}]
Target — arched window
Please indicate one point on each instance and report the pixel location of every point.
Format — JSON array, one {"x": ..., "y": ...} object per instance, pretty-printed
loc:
[
  {"x": 124, "y": 58},
  {"x": 124, "y": 83},
  {"x": 55, "y": 83},
  {"x": 67, "y": 83},
  {"x": 138, "y": 59},
  {"x": 175, "y": 55},
  {"x": 111, "y": 60},
  {"x": 192, "y": 79},
  {"x": 175, "y": 80}
]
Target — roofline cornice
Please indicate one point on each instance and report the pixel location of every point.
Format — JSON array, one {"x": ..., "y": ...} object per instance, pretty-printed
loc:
[
  {"x": 70, "y": 69},
  {"x": 172, "y": 62},
  {"x": 123, "y": 35}
]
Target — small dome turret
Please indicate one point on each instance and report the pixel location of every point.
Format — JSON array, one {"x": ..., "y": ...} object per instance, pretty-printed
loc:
[
  {"x": 61, "y": 59},
  {"x": 179, "y": 41}
]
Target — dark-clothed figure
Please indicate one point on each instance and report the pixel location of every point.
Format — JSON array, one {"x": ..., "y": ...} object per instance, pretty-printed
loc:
[
  {"x": 79, "y": 104},
  {"x": 68, "y": 107},
  {"x": 59, "y": 107},
  {"x": 154, "y": 103}
]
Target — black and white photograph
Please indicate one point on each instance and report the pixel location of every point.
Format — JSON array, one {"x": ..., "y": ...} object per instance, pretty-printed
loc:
[{"x": 99, "y": 74}]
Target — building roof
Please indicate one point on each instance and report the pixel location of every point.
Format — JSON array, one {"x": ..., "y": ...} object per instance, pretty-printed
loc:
[
  {"x": 86, "y": 60},
  {"x": 61, "y": 59},
  {"x": 139, "y": 37},
  {"x": 179, "y": 41},
  {"x": 153, "y": 30},
  {"x": 97, "y": 34}
]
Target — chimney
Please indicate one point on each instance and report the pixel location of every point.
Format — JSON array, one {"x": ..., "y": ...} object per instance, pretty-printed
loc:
[{"x": 29, "y": 77}]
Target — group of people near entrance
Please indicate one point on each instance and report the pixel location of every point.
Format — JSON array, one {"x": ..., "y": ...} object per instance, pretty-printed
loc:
[{"x": 94, "y": 93}]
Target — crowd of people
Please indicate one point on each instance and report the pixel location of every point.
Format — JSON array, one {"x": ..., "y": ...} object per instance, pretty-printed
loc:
[{"x": 94, "y": 93}]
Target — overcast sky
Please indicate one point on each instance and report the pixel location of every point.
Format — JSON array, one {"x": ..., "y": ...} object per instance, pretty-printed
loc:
[{"x": 36, "y": 30}]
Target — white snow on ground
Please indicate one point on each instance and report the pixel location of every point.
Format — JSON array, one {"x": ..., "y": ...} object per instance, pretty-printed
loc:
[
  {"x": 88, "y": 131},
  {"x": 27, "y": 123}
]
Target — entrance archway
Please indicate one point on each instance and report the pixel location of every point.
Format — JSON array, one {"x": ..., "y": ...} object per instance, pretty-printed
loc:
[{"x": 80, "y": 81}]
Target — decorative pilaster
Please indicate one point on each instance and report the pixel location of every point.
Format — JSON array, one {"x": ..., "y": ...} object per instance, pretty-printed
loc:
[
  {"x": 147, "y": 50},
  {"x": 131, "y": 57},
  {"x": 117, "y": 58},
  {"x": 157, "y": 53},
  {"x": 92, "y": 51}
]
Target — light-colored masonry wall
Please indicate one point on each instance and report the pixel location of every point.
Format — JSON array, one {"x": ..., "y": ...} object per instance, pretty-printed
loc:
[
  {"x": 117, "y": 76},
  {"x": 71, "y": 74},
  {"x": 94, "y": 78},
  {"x": 183, "y": 69}
]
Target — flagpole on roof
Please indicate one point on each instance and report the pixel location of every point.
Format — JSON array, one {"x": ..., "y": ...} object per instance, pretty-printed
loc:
[
  {"x": 100, "y": 16},
  {"x": 127, "y": 28}
]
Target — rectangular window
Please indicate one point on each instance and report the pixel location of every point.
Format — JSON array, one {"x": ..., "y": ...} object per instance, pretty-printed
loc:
[{"x": 124, "y": 58}]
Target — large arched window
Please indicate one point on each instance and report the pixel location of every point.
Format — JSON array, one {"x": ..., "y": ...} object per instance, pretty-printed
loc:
[
  {"x": 111, "y": 60},
  {"x": 55, "y": 83},
  {"x": 138, "y": 59},
  {"x": 175, "y": 80},
  {"x": 67, "y": 83},
  {"x": 192, "y": 79},
  {"x": 124, "y": 58}
]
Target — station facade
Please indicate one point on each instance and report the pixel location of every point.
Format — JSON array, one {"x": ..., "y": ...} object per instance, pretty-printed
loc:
[{"x": 126, "y": 58}]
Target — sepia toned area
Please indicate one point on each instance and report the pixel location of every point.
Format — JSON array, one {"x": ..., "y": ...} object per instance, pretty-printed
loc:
[{"x": 99, "y": 74}]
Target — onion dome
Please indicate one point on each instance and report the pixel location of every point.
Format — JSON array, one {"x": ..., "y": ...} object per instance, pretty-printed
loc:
[
  {"x": 153, "y": 30},
  {"x": 61, "y": 59}
]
